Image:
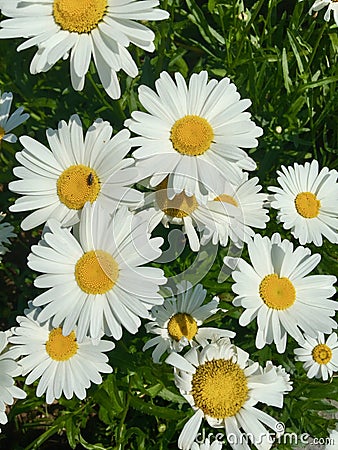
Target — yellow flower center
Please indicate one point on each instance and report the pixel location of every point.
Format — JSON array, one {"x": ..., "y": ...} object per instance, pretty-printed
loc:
[
  {"x": 180, "y": 206},
  {"x": 77, "y": 185},
  {"x": 277, "y": 293},
  {"x": 219, "y": 388},
  {"x": 182, "y": 324},
  {"x": 96, "y": 272},
  {"x": 60, "y": 347},
  {"x": 2, "y": 133},
  {"x": 191, "y": 135},
  {"x": 79, "y": 16},
  {"x": 225, "y": 198},
  {"x": 307, "y": 205},
  {"x": 322, "y": 354}
]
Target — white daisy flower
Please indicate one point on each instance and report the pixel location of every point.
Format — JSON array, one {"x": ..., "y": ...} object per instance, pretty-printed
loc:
[
  {"x": 58, "y": 182},
  {"x": 8, "y": 369},
  {"x": 62, "y": 363},
  {"x": 333, "y": 441},
  {"x": 307, "y": 202},
  {"x": 177, "y": 323},
  {"x": 320, "y": 357},
  {"x": 102, "y": 29},
  {"x": 229, "y": 212},
  {"x": 277, "y": 290},
  {"x": 206, "y": 445},
  {"x": 101, "y": 273},
  {"x": 193, "y": 134},
  {"x": 9, "y": 122},
  {"x": 332, "y": 6},
  {"x": 6, "y": 232},
  {"x": 223, "y": 386}
]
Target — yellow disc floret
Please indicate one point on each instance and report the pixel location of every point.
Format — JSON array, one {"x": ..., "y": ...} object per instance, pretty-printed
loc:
[
  {"x": 180, "y": 206},
  {"x": 60, "y": 347},
  {"x": 219, "y": 388},
  {"x": 96, "y": 272},
  {"x": 182, "y": 325},
  {"x": 77, "y": 185},
  {"x": 307, "y": 205},
  {"x": 277, "y": 293},
  {"x": 79, "y": 16},
  {"x": 225, "y": 198},
  {"x": 2, "y": 133},
  {"x": 322, "y": 354},
  {"x": 191, "y": 135}
]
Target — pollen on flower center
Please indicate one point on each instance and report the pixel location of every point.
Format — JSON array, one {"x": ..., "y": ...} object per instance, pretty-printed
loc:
[
  {"x": 307, "y": 205},
  {"x": 77, "y": 185},
  {"x": 96, "y": 272},
  {"x": 322, "y": 354},
  {"x": 180, "y": 206},
  {"x": 277, "y": 293},
  {"x": 219, "y": 388},
  {"x": 2, "y": 133},
  {"x": 182, "y": 325},
  {"x": 191, "y": 135},
  {"x": 60, "y": 347},
  {"x": 225, "y": 198},
  {"x": 79, "y": 16}
]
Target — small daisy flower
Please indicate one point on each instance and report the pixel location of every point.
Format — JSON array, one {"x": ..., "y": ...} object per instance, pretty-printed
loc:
[
  {"x": 332, "y": 6},
  {"x": 6, "y": 232},
  {"x": 320, "y": 358},
  {"x": 193, "y": 133},
  {"x": 8, "y": 369},
  {"x": 206, "y": 445},
  {"x": 307, "y": 202},
  {"x": 333, "y": 441},
  {"x": 58, "y": 182},
  {"x": 102, "y": 29},
  {"x": 102, "y": 273},
  {"x": 223, "y": 386},
  {"x": 177, "y": 323},
  {"x": 61, "y": 363},
  {"x": 276, "y": 290},
  {"x": 9, "y": 122}
]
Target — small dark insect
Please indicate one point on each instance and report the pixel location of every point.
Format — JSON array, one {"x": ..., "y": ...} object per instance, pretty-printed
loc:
[{"x": 90, "y": 179}]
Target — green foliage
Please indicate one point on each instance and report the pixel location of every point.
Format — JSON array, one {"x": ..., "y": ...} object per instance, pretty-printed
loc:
[{"x": 285, "y": 61}]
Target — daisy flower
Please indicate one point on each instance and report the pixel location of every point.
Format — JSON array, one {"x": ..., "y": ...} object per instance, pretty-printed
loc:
[
  {"x": 57, "y": 182},
  {"x": 177, "y": 323},
  {"x": 102, "y": 29},
  {"x": 193, "y": 133},
  {"x": 276, "y": 290},
  {"x": 9, "y": 122},
  {"x": 206, "y": 445},
  {"x": 101, "y": 272},
  {"x": 8, "y": 369},
  {"x": 307, "y": 202},
  {"x": 332, "y": 6},
  {"x": 229, "y": 212},
  {"x": 320, "y": 358},
  {"x": 5, "y": 233},
  {"x": 223, "y": 386},
  {"x": 333, "y": 441},
  {"x": 61, "y": 363}
]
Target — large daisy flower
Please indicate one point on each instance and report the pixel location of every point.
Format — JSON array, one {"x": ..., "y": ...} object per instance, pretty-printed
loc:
[
  {"x": 97, "y": 283},
  {"x": 193, "y": 134},
  {"x": 223, "y": 386},
  {"x": 229, "y": 212},
  {"x": 177, "y": 323},
  {"x": 332, "y": 6},
  {"x": 8, "y": 369},
  {"x": 9, "y": 122},
  {"x": 63, "y": 365},
  {"x": 320, "y": 357},
  {"x": 277, "y": 290},
  {"x": 6, "y": 232},
  {"x": 102, "y": 29},
  {"x": 307, "y": 202},
  {"x": 58, "y": 182}
]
